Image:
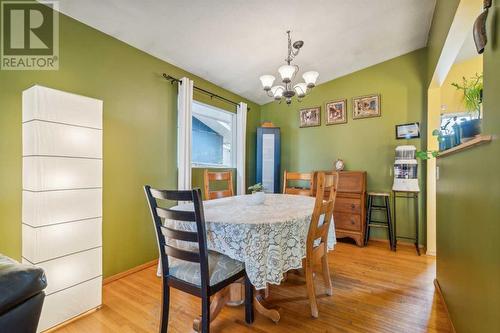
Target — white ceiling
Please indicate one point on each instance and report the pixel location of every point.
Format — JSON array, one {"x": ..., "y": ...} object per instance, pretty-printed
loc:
[{"x": 232, "y": 42}]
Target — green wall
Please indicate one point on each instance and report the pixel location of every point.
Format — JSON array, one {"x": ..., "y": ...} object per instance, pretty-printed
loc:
[
  {"x": 468, "y": 213},
  {"x": 140, "y": 127},
  {"x": 364, "y": 144}
]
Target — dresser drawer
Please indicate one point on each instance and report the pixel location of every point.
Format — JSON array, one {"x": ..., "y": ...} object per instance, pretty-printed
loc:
[
  {"x": 348, "y": 205},
  {"x": 350, "y": 181},
  {"x": 347, "y": 221}
]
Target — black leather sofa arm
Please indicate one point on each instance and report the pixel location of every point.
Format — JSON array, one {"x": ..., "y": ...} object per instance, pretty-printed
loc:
[{"x": 21, "y": 296}]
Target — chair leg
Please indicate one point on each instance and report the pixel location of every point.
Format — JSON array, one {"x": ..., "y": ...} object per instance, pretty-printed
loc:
[
  {"x": 205, "y": 314},
  {"x": 326, "y": 274},
  {"x": 249, "y": 315},
  {"x": 311, "y": 292},
  {"x": 389, "y": 223},
  {"x": 368, "y": 218},
  {"x": 164, "y": 308}
]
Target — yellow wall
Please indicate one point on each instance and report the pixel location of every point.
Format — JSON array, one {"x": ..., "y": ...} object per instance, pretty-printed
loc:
[
  {"x": 443, "y": 99},
  {"x": 452, "y": 98}
]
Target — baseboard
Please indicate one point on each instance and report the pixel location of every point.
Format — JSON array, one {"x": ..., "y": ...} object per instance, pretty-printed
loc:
[
  {"x": 400, "y": 242},
  {"x": 133, "y": 270},
  {"x": 440, "y": 293}
]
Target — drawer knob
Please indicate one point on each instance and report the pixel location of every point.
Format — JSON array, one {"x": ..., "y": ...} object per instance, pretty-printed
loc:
[
  {"x": 352, "y": 221},
  {"x": 353, "y": 206}
]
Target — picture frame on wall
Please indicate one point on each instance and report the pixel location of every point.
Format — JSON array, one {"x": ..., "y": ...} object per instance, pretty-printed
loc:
[
  {"x": 408, "y": 131},
  {"x": 310, "y": 117},
  {"x": 367, "y": 106},
  {"x": 336, "y": 112}
]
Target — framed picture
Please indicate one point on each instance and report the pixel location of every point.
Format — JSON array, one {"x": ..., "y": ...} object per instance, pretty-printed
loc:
[
  {"x": 366, "y": 106},
  {"x": 336, "y": 112},
  {"x": 310, "y": 117},
  {"x": 408, "y": 131}
]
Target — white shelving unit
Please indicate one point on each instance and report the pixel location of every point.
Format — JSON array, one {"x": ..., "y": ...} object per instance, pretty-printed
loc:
[{"x": 62, "y": 199}]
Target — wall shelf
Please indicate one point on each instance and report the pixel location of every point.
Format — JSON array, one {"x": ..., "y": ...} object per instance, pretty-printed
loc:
[{"x": 478, "y": 140}]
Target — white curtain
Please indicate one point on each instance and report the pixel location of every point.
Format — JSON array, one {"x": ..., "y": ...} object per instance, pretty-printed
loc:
[
  {"x": 184, "y": 138},
  {"x": 184, "y": 134},
  {"x": 241, "y": 134}
]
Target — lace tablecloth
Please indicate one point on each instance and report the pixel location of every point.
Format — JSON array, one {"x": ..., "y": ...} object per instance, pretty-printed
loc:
[{"x": 270, "y": 238}]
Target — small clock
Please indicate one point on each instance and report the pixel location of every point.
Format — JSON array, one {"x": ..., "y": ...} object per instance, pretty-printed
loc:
[{"x": 339, "y": 165}]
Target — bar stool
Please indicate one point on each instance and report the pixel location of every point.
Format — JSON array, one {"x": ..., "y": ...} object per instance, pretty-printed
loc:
[{"x": 385, "y": 207}]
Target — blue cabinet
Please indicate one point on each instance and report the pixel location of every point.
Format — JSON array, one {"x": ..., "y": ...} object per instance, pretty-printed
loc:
[{"x": 268, "y": 158}]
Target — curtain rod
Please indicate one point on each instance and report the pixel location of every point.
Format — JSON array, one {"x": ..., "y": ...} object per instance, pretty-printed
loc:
[{"x": 206, "y": 92}]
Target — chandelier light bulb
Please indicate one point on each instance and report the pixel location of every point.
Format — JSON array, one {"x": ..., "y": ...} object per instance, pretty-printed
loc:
[
  {"x": 300, "y": 89},
  {"x": 267, "y": 81},
  {"x": 287, "y": 72},
  {"x": 277, "y": 92},
  {"x": 310, "y": 78}
]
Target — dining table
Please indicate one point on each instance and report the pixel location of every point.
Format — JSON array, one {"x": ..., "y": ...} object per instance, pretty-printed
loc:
[{"x": 268, "y": 237}]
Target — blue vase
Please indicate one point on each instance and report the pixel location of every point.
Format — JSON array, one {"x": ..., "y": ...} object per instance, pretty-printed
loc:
[
  {"x": 469, "y": 129},
  {"x": 457, "y": 135},
  {"x": 446, "y": 142}
]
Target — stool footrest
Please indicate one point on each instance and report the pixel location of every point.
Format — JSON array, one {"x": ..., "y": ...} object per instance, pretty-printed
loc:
[{"x": 378, "y": 225}]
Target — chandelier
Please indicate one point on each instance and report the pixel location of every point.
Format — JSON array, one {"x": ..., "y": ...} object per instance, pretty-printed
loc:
[{"x": 288, "y": 73}]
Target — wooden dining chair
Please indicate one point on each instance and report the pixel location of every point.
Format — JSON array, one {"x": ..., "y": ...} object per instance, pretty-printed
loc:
[
  {"x": 211, "y": 177},
  {"x": 327, "y": 189},
  {"x": 199, "y": 272},
  {"x": 297, "y": 177},
  {"x": 317, "y": 236}
]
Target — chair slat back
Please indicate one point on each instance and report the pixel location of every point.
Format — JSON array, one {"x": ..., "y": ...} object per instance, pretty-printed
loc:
[
  {"x": 217, "y": 176},
  {"x": 322, "y": 207},
  {"x": 164, "y": 232},
  {"x": 295, "y": 177}
]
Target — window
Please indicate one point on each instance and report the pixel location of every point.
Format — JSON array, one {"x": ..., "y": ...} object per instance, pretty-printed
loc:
[
  {"x": 449, "y": 120},
  {"x": 214, "y": 137}
]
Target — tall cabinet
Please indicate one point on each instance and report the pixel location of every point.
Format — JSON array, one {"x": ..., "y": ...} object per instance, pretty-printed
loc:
[
  {"x": 62, "y": 199},
  {"x": 268, "y": 158}
]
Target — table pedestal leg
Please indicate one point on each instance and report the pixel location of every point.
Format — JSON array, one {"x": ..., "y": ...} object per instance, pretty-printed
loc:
[
  {"x": 264, "y": 308},
  {"x": 216, "y": 304},
  {"x": 236, "y": 293}
]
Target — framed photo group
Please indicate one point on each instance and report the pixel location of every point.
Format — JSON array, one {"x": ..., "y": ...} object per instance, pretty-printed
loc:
[{"x": 336, "y": 111}]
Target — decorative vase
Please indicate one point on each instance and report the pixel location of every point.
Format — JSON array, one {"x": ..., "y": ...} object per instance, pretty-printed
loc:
[
  {"x": 258, "y": 198},
  {"x": 469, "y": 129},
  {"x": 447, "y": 142}
]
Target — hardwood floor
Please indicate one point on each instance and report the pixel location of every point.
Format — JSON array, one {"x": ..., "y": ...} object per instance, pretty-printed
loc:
[{"x": 374, "y": 290}]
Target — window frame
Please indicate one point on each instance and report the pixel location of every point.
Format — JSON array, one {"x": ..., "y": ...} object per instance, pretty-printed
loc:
[{"x": 233, "y": 136}]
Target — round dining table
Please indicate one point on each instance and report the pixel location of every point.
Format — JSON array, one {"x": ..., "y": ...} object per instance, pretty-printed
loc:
[{"x": 269, "y": 238}]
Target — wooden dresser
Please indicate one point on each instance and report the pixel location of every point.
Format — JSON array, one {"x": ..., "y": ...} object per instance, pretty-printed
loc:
[{"x": 350, "y": 206}]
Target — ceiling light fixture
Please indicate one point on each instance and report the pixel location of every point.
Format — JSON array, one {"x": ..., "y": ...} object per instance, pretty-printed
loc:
[{"x": 288, "y": 73}]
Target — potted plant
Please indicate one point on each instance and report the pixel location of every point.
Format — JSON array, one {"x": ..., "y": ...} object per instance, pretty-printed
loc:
[
  {"x": 258, "y": 195},
  {"x": 473, "y": 94}
]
